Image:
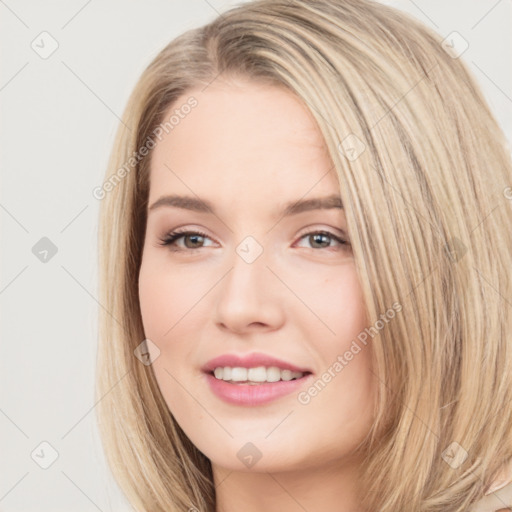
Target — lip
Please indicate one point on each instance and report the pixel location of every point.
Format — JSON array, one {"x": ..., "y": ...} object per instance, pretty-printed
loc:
[
  {"x": 253, "y": 395},
  {"x": 251, "y": 361},
  {"x": 249, "y": 394}
]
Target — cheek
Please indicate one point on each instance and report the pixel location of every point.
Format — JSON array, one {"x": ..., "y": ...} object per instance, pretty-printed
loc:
[
  {"x": 166, "y": 294},
  {"x": 346, "y": 307},
  {"x": 162, "y": 304},
  {"x": 154, "y": 302},
  {"x": 343, "y": 392},
  {"x": 169, "y": 298},
  {"x": 335, "y": 299},
  {"x": 338, "y": 301}
]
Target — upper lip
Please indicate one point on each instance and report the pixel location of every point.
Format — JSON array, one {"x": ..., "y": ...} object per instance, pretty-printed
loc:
[{"x": 250, "y": 361}]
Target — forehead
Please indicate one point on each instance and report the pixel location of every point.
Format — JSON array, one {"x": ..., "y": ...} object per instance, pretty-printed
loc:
[{"x": 241, "y": 138}]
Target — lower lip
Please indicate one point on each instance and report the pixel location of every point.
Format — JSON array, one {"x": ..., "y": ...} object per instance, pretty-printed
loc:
[{"x": 248, "y": 394}]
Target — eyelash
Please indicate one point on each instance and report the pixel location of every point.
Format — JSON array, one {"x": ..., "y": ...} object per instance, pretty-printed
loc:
[{"x": 173, "y": 236}]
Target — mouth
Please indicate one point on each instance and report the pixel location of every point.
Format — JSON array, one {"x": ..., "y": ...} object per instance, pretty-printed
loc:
[
  {"x": 253, "y": 379},
  {"x": 252, "y": 387},
  {"x": 255, "y": 376}
]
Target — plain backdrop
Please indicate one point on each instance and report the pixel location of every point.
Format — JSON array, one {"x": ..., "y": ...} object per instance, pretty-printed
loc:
[{"x": 58, "y": 116}]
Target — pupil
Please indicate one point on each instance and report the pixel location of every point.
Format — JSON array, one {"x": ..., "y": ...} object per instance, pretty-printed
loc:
[
  {"x": 316, "y": 238},
  {"x": 193, "y": 238}
]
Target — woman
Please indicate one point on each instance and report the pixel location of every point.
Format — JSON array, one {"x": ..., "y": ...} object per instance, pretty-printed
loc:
[{"x": 305, "y": 270}]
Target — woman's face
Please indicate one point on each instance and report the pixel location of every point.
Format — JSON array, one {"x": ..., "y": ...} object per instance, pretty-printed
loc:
[{"x": 263, "y": 279}]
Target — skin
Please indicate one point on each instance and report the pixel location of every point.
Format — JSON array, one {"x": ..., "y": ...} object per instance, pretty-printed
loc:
[{"x": 249, "y": 149}]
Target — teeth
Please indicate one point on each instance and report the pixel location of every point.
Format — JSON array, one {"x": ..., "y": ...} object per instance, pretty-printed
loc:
[
  {"x": 258, "y": 374},
  {"x": 255, "y": 375},
  {"x": 238, "y": 374}
]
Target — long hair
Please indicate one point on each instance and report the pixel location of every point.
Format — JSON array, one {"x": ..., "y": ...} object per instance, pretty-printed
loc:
[{"x": 425, "y": 178}]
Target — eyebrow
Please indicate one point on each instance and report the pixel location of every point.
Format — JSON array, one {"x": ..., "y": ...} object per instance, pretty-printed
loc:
[{"x": 203, "y": 206}]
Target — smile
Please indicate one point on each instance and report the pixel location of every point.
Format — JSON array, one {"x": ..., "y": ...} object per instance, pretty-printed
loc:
[
  {"x": 253, "y": 379},
  {"x": 255, "y": 375},
  {"x": 252, "y": 393}
]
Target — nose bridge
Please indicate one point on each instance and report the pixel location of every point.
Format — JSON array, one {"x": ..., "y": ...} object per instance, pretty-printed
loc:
[
  {"x": 245, "y": 296},
  {"x": 250, "y": 250},
  {"x": 249, "y": 270}
]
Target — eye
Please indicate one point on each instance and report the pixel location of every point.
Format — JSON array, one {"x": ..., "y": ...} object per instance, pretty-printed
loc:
[
  {"x": 196, "y": 239},
  {"x": 322, "y": 239}
]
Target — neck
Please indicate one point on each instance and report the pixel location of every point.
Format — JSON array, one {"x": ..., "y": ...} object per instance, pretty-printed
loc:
[{"x": 329, "y": 489}]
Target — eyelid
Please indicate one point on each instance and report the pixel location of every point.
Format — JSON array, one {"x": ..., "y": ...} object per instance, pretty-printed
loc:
[
  {"x": 340, "y": 239},
  {"x": 174, "y": 235},
  {"x": 313, "y": 228},
  {"x": 179, "y": 233}
]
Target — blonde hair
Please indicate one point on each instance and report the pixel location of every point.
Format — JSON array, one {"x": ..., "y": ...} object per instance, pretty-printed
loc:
[{"x": 423, "y": 171}]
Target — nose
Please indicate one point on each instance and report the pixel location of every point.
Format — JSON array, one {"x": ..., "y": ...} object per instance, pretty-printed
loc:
[{"x": 249, "y": 298}]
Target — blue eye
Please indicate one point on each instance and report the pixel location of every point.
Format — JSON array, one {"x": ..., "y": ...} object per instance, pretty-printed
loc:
[
  {"x": 174, "y": 236},
  {"x": 319, "y": 237},
  {"x": 197, "y": 237}
]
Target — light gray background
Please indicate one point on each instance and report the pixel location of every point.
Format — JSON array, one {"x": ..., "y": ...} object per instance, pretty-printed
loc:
[{"x": 58, "y": 118}]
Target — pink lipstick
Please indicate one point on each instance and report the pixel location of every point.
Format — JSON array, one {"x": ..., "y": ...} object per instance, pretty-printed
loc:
[{"x": 253, "y": 379}]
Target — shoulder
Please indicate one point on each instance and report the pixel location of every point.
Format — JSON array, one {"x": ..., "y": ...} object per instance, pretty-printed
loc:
[{"x": 498, "y": 497}]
